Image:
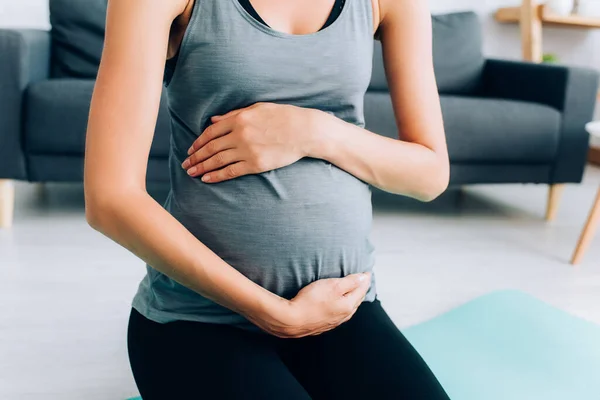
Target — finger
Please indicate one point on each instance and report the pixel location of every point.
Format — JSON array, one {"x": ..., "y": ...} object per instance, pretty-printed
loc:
[
  {"x": 349, "y": 317},
  {"x": 212, "y": 132},
  {"x": 217, "y": 161},
  {"x": 210, "y": 149},
  {"x": 350, "y": 283},
  {"x": 232, "y": 113},
  {"x": 236, "y": 112},
  {"x": 231, "y": 171},
  {"x": 357, "y": 296},
  {"x": 351, "y": 307},
  {"x": 359, "y": 301}
]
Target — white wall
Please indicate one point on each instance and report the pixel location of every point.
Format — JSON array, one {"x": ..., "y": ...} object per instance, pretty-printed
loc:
[{"x": 24, "y": 13}]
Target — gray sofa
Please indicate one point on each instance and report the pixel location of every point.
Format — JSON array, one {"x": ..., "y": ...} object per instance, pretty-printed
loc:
[{"x": 506, "y": 122}]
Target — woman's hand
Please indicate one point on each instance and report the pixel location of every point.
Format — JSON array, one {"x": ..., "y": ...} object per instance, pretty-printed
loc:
[
  {"x": 318, "y": 307},
  {"x": 259, "y": 138}
]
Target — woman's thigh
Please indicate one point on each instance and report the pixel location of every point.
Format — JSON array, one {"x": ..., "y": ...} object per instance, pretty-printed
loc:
[
  {"x": 189, "y": 360},
  {"x": 365, "y": 358}
]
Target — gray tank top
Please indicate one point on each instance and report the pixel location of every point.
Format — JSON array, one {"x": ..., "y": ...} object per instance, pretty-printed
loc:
[{"x": 284, "y": 228}]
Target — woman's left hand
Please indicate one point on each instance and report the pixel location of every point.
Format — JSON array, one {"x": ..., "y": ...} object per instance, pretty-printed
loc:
[{"x": 259, "y": 138}]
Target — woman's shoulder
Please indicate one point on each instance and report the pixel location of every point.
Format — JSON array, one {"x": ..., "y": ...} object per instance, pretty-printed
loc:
[{"x": 168, "y": 10}]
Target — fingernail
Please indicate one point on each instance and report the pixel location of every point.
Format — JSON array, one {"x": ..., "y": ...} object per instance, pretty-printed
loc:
[
  {"x": 190, "y": 151},
  {"x": 362, "y": 277},
  {"x": 205, "y": 178},
  {"x": 191, "y": 171},
  {"x": 185, "y": 164}
]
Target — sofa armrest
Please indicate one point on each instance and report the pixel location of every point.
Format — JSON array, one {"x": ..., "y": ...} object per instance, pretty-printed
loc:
[
  {"x": 24, "y": 59},
  {"x": 571, "y": 90}
]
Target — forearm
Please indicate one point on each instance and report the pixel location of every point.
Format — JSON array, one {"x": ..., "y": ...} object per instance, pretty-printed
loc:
[
  {"x": 140, "y": 224},
  {"x": 392, "y": 165}
]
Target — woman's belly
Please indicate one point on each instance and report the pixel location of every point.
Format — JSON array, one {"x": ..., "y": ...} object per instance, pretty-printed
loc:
[{"x": 283, "y": 229}]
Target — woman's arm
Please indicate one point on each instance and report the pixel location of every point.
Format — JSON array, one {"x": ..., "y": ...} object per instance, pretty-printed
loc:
[
  {"x": 122, "y": 121},
  {"x": 121, "y": 124},
  {"x": 416, "y": 165},
  {"x": 267, "y": 136}
]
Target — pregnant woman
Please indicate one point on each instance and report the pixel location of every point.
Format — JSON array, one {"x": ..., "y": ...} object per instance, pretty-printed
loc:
[{"x": 259, "y": 279}]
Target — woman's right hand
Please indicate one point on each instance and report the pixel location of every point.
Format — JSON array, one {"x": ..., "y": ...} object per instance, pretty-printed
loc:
[{"x": 318, "y": 307}]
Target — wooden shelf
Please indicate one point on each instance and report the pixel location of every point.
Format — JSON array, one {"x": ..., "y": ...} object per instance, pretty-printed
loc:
[{"x": 513, "y": 15}]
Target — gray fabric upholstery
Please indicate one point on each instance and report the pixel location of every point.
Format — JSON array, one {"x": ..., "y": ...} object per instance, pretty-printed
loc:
[
  {"x": 57, "y": 112},
  {"x": 24, "y": 58},
  {"x": 494, "y": 131},
  {"x": 570, "y": 90},
  {"x": 457, "y": 55},
  {"x": 77, "y": 37},
  {"x": 457, "y": 52},
  {"x": 379, "y": 114},
  {"x": 578, "y": 109},
  {"x": 483, "y": 130},
  {"x": 469, "y": 174}
]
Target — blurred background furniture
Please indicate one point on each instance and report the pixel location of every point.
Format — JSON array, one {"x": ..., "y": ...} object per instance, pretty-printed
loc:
[
  {"x": 531, "y": 15},
  {"x": 594, "y": 218},
  {"x": 505, "y": 121}
]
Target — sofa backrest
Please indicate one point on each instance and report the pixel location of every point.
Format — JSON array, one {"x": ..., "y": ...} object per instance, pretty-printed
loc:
[
  {"x": 77, "y": 37},
  {"x": 78, "y": 33},
  {"x": 457, "y": 54}
]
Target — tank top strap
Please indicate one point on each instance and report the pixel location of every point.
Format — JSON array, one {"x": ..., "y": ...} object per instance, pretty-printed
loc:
[{"x": 364, "y": 10}]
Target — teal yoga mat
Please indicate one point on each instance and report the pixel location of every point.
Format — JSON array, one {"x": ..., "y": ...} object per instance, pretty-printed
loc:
[{"x": 508, "y": 345}]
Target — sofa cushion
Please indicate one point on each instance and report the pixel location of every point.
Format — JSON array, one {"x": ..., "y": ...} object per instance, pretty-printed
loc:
[
  {"x": 57, "y": 113},
  {"x": 457, "y": 52},
  {"x": 77, "y": 37},
  {"x": 457, "y": 55},
  {"x": 494, "y": 130},
  {"x": 481, "y": 130}
]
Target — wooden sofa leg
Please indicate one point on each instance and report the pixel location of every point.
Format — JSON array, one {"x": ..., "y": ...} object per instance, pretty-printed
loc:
[
  {"x": 588, "y": 232},
  {"x": 7, "y": 203},
  {"x": 554, "y": 195}
]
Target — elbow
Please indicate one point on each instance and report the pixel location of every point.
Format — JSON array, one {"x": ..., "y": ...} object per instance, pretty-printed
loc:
[
  {"x": 94, "y": 212},
  {"x": 440, "y": 179},
  {"x": 104, "y": 208},
  {"x": 106, "y": 203},
  {"x": 434, "y": 192},
  {"x": 98, "y": 209}
]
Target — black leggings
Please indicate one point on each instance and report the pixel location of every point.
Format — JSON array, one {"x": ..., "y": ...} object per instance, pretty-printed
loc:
[{"x": 364, "y": 358}]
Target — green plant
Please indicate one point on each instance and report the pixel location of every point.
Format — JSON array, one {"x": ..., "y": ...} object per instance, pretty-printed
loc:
[{"x": 550, "y": 58}]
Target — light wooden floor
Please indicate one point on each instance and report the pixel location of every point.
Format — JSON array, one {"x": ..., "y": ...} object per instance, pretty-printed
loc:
[{"x": 65, "y": 290}]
